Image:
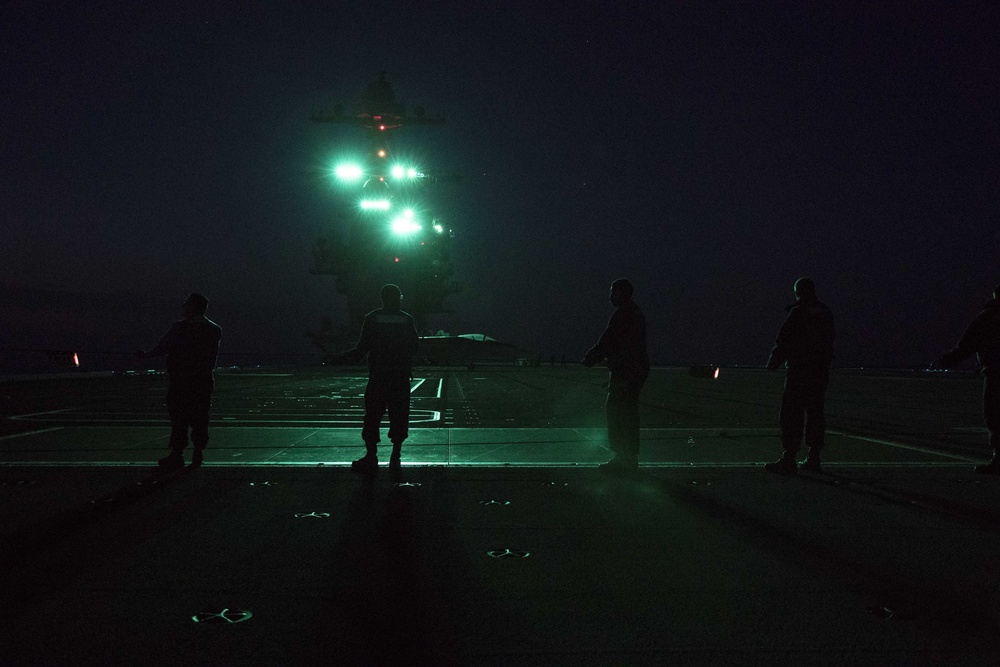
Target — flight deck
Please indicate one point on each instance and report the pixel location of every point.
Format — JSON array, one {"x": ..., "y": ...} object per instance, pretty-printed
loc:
[
  {"x": 495, "y": 416},
  {"x": 499, "y": 542}
]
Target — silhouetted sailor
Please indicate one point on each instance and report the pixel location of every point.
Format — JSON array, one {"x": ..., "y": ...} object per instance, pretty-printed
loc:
[
  {"x": 389, "y": 340},
  {"x": 982, "y": 338},
  {"x": 191, "y": 347},
  {"x": 805, "y": 345},
  {"x": 623, "y": 347}
]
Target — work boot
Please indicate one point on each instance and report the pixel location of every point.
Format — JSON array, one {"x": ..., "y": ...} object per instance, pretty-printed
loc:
[
  {"x": 991, "y": 468},
  {"x": 172, "y": 461},
  {"x": 197, "y": 457},
  {"x": 783, "y": 466},
  {"x": 366, "y": 464},
  {"x": 811, "y": 462},
  {"x": 395, "y": 462}
]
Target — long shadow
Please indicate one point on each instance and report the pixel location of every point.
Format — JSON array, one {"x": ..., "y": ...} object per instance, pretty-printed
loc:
[
  {"x": 983, "y": 518},
  {"x": 384, "y": 598},
  {"x": 940, "y": 610},
  {"x": 53, "y": 551},
  {"x": 24, "y": 544}
]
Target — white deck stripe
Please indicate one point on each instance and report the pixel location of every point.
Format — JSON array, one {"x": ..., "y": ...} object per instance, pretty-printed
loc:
[
  {"x": 81, "y": 422},
  {"x": 35, "y": 414},
  {"x": 915, "y": 448},
  {"x": 469, "y": 464},
  {"x": 41, "y": 430}
]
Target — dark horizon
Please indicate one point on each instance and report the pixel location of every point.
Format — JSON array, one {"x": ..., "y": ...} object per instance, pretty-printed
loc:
[
  {"x": 712, "y": 154},
  {"x": 143, "y": 318}
]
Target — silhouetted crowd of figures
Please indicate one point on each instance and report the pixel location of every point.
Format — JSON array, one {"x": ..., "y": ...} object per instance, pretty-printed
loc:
[{"x": 803, "y": 346}]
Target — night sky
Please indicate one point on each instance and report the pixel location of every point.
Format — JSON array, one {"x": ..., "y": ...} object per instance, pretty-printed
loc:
[{"x": 711, "y": 152}]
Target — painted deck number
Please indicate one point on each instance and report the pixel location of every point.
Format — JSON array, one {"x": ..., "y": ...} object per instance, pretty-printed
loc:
[
  {"x": 494, "y": 502},
  {"x": 227, "y": 615},
  {"x": 407, "y": 484},
  {"x": 508, "y": 553},
  {"x": 317, "y": 515}
]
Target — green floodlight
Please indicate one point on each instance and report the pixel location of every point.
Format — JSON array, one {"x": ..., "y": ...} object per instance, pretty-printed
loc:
[
  {"x": 402, "y": 226},
  {"x": 375, "y": 204},
  {"x": 405, "y": 224},
  {"x": 348, "y": 172},
  {"x": 399, "y": 171},
  {"x": 439, "y": 229}
]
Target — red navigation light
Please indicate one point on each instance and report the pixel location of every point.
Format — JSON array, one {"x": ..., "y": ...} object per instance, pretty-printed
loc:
[
  {"x": 381, "y": 179},
  {"x": 377, "y": 117},
  {"x": 707, "y": 372},
  {"x": 381, "y": 152},
  {"x": 64, "y": 358},
  {"x": 397, "y": 259},
  {"x": 381, "y": 127}
]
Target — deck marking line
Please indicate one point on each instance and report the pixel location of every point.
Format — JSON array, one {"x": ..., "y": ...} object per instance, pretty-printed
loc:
[
  {"x": 428, "y": 416},
  {"x": 35, "y": 414},
  {"x": 915, "y": 448},
  {"x": 41, "y": 430},
  {"x": 439, "y": 464}
]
